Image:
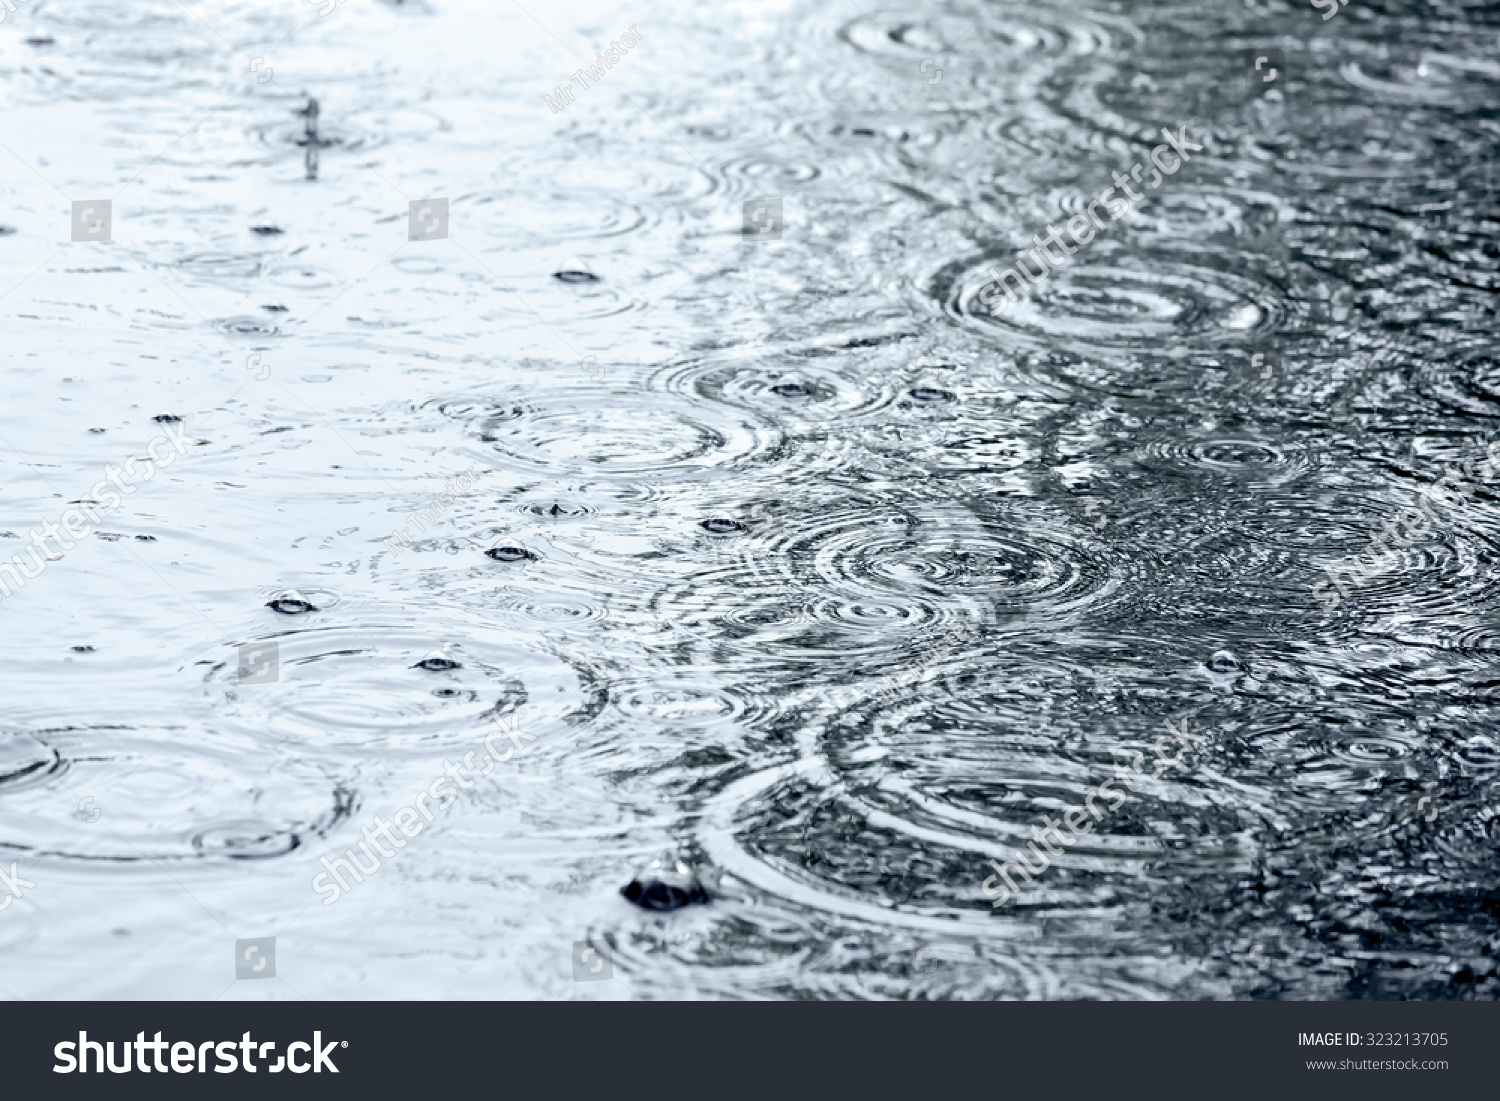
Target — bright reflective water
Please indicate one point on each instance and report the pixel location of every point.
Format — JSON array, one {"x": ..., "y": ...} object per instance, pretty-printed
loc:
[{"x": 806, "y": 569}]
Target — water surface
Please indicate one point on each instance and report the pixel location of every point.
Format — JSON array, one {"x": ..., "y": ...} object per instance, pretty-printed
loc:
[{"x": 819, "y": 576}]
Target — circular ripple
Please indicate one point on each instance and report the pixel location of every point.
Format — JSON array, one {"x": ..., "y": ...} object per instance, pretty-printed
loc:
[
  {"x": 1468, "y": 381},
  {"x": 1002, "y": 36},
  {"x": 780, "y": 884},
  {"x": 245, "y": 326},
  {"x": 556, "y": 610},
  {"x": 868, "y": 581},
  {"x": 1430, "y": 78},
  {"x": 942, "y": 554},
  {"x": 1155, "y": 301},
  {"x": 791, "y": 390},
  {"x": 108, "y": 46},
  {"x": 25, "y": 761},
  {"x": 1481, "y": 753},
  {"x": 757, "y": 174},
  {"x": 904, "y": 36},
  {"x": 337, "y": 131},
  {"x": 1367, "y": 750},
  {"x": 1243, "y": 459},
  {"x": 219, "y": 266},
  {"x": 306, "y": 278},
  {"x": 692, "y": 699},
  {"x": 151, "y": 794},
  {"x": 797, "y": 840},
  {"x": 883, "y": 824},
  {"x": 597, "y": 435},
  {"x": 574, "y": 215},
  {"x": 1421, "y": 590},
  {"x": 327, "y": 678},
  {"x": 871, "y": 133},
  {"x": 245, "y": 839}
]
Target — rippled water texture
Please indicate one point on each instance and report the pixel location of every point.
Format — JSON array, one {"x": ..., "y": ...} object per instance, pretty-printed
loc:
[{"x": 795, "y": 563}]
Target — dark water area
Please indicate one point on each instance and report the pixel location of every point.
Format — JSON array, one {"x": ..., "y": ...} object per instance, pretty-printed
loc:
[{"x": 677, "y": 489}]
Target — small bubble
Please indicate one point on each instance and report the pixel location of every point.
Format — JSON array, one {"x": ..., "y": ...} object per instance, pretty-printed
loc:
[
  {"x": 791, "y": 390},
  {"x": 1224, "y": 662},
  {"x": 290, "y": 602},
  {"x": 509, "y": 554},
  {"x": 668, "y": 884},
  {"x": 720, "y": 525},
  {"x": 931, "y": 394}
]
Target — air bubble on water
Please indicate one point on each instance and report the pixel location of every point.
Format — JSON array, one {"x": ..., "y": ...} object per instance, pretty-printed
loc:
[
  {"x": 721, "y": 525},
  {"x": 438, "y": 661},
  {"x": 290, "y": 602},
  {"x": 1224, "y": 663}
]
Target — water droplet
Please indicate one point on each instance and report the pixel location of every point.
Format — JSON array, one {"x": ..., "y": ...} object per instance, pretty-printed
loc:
[
  {"x": 509, "y": 554},
  {"x": 575, "y": 275}
]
